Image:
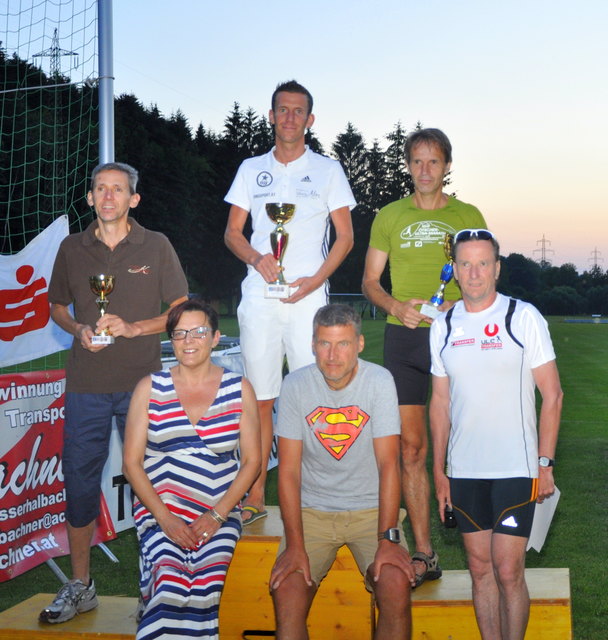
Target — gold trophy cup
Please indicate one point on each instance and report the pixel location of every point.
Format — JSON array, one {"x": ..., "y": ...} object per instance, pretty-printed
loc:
[
  {"x": 280, "y": 213},
  {"x": 432, "y": 310},
  {"x": 102, "y": 285}
]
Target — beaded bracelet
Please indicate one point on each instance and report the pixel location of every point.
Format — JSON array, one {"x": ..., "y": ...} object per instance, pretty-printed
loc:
[{"x": 216, "y": 516}]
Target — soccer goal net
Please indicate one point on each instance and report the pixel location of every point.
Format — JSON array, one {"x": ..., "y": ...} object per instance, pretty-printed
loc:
[{"x": 48, "y": 116}]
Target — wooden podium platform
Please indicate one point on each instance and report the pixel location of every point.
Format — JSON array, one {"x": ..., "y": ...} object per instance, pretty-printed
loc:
[
  {"x": 441, "y": 610},
  {"x": 114, "y": 619}
]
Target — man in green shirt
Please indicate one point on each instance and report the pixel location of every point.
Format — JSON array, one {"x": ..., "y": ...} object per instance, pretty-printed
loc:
[{"x": 410, "y": 235}]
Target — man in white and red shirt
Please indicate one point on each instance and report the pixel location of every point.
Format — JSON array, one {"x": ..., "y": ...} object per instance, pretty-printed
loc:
[{"x": 491, "y": 464}]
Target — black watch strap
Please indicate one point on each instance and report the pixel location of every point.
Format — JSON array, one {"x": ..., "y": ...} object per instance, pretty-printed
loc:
[{"x": 392, "y": 535}]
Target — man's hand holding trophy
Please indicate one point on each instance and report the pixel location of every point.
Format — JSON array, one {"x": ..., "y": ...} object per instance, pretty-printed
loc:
[{"x": 447, "y": 272}]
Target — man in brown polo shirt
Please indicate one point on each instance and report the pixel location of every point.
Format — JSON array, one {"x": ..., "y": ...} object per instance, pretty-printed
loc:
[{"x": 100, "y": 378}]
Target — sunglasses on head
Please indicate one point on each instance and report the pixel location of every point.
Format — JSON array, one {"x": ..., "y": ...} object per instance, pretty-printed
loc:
[{"x": 477, "y": 234}]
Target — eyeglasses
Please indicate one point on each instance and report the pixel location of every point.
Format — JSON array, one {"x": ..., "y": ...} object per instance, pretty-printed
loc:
[
  {"x": 478, "y": 234},
  {"x": 197, "y": 332}
]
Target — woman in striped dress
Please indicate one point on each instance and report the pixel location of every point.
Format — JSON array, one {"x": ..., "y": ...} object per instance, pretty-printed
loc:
[{"x": 183, "y": 430}]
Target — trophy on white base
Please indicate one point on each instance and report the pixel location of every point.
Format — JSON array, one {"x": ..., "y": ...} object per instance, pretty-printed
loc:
[
  {"x": 280, "y": 213},
  {"x": 102, "y": 285},
  {"x": 447, "y": 272}
]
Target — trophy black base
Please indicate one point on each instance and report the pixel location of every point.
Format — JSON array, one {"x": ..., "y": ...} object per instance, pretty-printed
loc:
[{"x": 99, "y": 340}]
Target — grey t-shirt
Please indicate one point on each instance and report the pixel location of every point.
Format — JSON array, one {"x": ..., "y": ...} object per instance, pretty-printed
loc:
[{"x": 337, "y": 428}]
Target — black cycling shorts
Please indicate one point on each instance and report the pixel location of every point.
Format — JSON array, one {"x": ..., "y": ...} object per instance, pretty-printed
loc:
[
  {"x": 407, "y": 355},
  {"x": 504, "y": 505}
]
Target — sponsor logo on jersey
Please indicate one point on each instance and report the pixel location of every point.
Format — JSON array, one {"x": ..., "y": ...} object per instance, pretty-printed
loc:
[
  {"x": 306, "y": 179},
  {"x": 264, "y": 179},
  {"x": 145, "y": 269},
  {"x": 305, "y": 193},
  {"x": 491, "y": 343},
  {"x": 465, "y": 342},
  {"x": 424, "y": 232},
  {"x": 337, "y": 428},
  {"x": 491, "y": 330}
]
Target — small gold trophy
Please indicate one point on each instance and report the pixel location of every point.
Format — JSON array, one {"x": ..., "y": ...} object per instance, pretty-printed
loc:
[
  {"x": 102, "y": 286},
  {"x": 432, "y": 310},
  {"x": 280, "y": 213}
]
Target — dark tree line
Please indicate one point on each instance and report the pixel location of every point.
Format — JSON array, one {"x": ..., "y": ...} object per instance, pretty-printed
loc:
[
  {"x": 184, "y": 175},
  {"x": 555, "y": 290}
]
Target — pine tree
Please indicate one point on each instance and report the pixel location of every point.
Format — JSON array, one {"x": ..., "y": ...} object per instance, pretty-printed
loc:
[{"x": 399, "y": 181}]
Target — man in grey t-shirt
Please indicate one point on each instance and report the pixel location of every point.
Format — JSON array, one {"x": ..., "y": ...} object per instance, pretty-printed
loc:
[{"x": 338, "y": 429}]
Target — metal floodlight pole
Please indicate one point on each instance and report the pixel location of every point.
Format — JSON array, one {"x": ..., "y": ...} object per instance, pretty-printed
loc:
[{"x": 106, "y": 82}]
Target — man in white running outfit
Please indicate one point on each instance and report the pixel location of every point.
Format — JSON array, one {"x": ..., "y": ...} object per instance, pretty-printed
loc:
[
  {"x": 491, "y": 465},
  {"x": 271, "y": 329}
]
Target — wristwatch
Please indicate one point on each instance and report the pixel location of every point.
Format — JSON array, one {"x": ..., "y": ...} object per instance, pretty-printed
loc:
[
  {"x": 543, "y": 461},
  {"x": 392, "y": 535}
]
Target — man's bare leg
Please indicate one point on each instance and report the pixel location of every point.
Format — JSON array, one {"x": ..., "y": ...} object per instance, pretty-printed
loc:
[
  {"x": 256, "y": 495},
  {"x": 392, "y": 592},
  {"x": 478, "y": 547},
  {"x": 80, "y": 539},
  {"x": 416, "y": 487},
  {"x": 509, "y": 559},
  {"x": 292, "y": 601}
]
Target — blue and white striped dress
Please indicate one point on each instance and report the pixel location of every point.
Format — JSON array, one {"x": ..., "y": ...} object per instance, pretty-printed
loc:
[{"x": 191, "y": 467}]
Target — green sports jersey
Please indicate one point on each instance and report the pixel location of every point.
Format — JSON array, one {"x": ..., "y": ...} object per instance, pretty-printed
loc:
[{"x": 413, "y": 239}]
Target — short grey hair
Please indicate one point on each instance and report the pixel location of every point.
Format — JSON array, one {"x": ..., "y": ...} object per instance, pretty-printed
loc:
[
  {"x": 132, "y": 174},
  {"x": 337, "y": 314}
]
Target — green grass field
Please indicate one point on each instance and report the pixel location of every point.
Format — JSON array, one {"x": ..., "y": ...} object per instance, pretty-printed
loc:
[{"x": 578, "y": 535}]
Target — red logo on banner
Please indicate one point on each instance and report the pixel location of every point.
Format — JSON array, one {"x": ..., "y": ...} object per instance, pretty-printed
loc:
[
  {"x": 26, "y": 309},
  {"x": 32, "y": 495}
]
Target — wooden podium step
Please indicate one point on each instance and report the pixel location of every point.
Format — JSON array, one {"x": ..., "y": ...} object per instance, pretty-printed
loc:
[
  {"x": 114, "y": 619},
  {"x": 441, "y": 610}
]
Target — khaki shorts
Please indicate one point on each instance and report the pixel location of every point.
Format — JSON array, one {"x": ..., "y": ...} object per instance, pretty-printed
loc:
[{"x": 326, "y": 531}]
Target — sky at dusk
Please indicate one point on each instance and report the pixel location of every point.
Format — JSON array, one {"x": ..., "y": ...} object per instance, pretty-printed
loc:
[{"x": 519, "y": 87}]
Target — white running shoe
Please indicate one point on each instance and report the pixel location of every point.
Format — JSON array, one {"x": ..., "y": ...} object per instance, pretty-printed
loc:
[{"x": 73, "y": 597}]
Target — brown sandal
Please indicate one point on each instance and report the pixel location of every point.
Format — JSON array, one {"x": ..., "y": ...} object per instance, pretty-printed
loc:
[{"x": 432, "y": 571}]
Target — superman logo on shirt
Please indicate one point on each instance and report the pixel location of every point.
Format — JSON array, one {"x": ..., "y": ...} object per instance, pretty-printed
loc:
[{"x": 337, "y": 428}]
